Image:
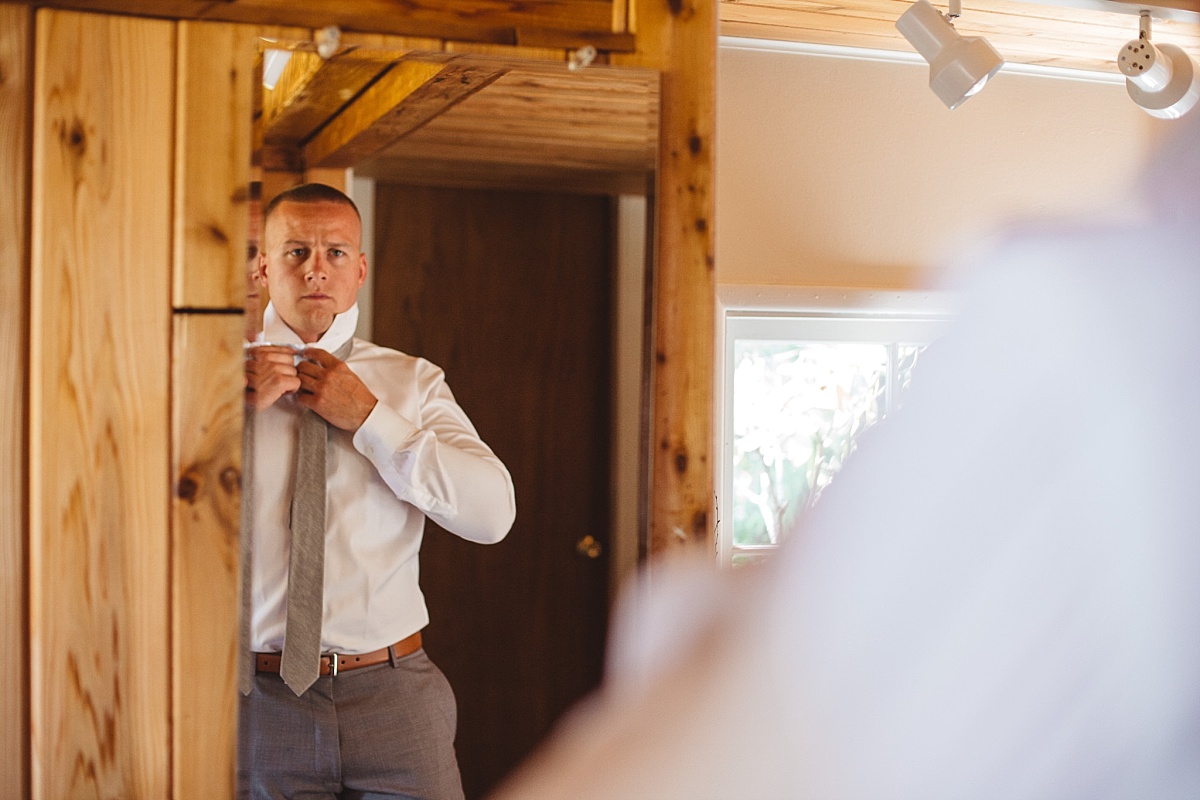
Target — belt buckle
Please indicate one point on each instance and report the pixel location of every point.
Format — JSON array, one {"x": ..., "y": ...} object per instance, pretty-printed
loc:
[{"x": 333, "y": 664}]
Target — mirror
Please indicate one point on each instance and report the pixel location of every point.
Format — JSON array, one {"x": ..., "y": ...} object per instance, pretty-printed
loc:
[{"x": 504, "y": 203}]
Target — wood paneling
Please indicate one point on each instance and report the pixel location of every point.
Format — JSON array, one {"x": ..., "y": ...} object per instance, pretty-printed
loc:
[
  {"x": 1024, "y": 32},
  {"x": 207, "y": 424},
  {"x": 15, "y": 84},
  {"x": 99, "y": 478},
  {"x": 543, "y": 125},
  {"x": 216, "y": 67},
  {"x": 470, "y": 20},
  {"x": 406, "y": 97},
  {"x": 474, "y": 111},
  {"x": 679, "y": 38}
]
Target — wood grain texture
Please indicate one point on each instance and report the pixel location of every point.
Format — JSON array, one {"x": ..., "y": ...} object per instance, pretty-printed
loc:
[
  {"x": 15, "y": 120},
  {"x": 311, "y": 90},
  {"x": 1023, "y": 32},
  {"x": 539, "y": 126},
  {"x": 406, "y": 97},
  {"x": 679, "y": 38},
  {"x": 468, "y": 20},
  {"x": 212, "y": 163},
  {"x": 206, "y": 419},
  {"x": 99, "y": 363}
]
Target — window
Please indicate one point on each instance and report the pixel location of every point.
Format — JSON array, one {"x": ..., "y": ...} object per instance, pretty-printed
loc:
[{"x": 803, "y": 376}]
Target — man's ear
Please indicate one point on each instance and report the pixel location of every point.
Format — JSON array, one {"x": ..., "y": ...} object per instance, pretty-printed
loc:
[
  {"x": 262, "y": 268},
  {"x": 362, "y": 269}
]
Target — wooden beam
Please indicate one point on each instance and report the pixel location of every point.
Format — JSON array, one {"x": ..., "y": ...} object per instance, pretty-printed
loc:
[
  {"x": 312, "y": 90},
  {"x": 559, "y": 21},
  {"x": 679, "y": 38},
  {"x": 98, "y": 412},
  {"x": 409, "y": 95},
  {"x": 15, "y": 121}
]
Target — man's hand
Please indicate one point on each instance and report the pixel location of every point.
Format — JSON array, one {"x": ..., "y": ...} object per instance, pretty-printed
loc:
[
  {"x": 331, "y": 389},
  {"x": 270, "y": 374}
]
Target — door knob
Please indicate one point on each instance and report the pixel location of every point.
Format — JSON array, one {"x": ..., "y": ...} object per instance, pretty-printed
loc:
[{"x": 589, "y": 547}]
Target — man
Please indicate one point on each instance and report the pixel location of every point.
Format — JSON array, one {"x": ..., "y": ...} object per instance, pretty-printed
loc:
[
  {"x": 254, "y": 294},
  {"x": 399, "y": 449},
  {"x": 1000, "y": 595}
]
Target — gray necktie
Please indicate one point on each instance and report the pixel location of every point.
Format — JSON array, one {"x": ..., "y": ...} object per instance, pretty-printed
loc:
[{"x": 300, "y": 664}]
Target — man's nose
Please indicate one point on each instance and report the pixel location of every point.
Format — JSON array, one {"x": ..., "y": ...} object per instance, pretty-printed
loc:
[{"x": 318, "y": 270}]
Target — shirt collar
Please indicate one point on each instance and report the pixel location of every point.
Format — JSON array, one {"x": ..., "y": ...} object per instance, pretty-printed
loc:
[{"x": 341, "y": 331}]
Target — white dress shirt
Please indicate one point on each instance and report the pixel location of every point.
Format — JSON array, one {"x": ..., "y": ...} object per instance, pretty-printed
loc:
[{"x": 416, "y": 455}]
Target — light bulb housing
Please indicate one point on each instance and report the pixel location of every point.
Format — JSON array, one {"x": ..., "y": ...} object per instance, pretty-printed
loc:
[
  {"x": 959, "y": 65},
  {"x": 1161, "y": 79}
]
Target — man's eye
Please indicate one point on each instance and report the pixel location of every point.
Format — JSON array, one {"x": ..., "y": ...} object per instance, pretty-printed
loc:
[
  {"x": 337, "y": 253},
  {"x": 297, "y": 252}
]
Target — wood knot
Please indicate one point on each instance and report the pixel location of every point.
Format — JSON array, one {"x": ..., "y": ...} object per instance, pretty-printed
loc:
[
  {"x": 681, "y": 462},
  {"x": 695, "y": 143},
  {"x": 76, "y": 140},
  {"x": 700, "y": 524},
  {"x": 701, "y": 225},
  {"x": 187, "y": 489},
  {"x": 216, "y": 233}
]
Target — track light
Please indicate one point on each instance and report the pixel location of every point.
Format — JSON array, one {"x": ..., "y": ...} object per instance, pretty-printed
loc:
[
  {"x": 959, "y": 65},
  {"x": 1161, "y": 79}
]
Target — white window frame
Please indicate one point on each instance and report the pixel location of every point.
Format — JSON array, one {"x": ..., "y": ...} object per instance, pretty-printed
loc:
[{"x": 813, "y": 314}]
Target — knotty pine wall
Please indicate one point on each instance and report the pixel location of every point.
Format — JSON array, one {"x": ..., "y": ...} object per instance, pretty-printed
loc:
[
  {"x": 139, "y": 159},
  {"x": 15, "y": 80}
]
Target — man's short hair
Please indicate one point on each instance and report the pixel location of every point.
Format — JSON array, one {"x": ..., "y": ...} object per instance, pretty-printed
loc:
[{"x": 309, "y": 193}]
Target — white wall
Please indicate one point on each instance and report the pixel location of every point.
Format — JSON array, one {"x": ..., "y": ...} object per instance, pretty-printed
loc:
[{"x": 841, "y": 172}]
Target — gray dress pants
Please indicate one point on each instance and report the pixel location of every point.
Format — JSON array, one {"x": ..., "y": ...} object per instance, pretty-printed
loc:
[{"x": 378, "y": 732}]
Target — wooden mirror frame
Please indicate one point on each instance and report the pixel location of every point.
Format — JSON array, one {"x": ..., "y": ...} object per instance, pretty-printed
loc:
[{"x": 125, "y": 248}]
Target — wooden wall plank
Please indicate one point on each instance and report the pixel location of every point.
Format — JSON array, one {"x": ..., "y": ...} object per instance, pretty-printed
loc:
[
  {"x": 679, "y": 37},
  {"x": 216, "y": 67},
  {"x": 15, "y": 85},
  {"x": 98, "y": 445},
  {"x": 207, "y": 424}
]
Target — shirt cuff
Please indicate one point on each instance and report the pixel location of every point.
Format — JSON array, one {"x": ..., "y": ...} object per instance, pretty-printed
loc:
[{"x": 382, "y": 433}]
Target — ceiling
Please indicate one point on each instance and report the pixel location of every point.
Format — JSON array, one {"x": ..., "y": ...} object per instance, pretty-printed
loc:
[
  {"x": 451, "y": 118},
  {"x": 1073, "y": 34},
  {"x": 439, "y": 117}
]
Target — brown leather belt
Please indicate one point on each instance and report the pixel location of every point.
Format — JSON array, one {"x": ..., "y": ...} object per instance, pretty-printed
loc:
[{"x": 334, "y": 663}]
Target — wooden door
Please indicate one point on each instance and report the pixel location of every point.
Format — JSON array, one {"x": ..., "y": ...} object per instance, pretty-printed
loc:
[{"x": 511, "y": 294}]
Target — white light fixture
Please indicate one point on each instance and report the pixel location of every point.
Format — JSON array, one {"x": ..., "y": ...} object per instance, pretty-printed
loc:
[
  {"x": 273, "y": 63},
  {"x": 1161, "y": 79},
  {"x": 959, "y": 65}
]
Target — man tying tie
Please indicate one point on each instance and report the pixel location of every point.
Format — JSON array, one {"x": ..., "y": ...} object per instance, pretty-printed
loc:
[{"x": 354, "y": 445}]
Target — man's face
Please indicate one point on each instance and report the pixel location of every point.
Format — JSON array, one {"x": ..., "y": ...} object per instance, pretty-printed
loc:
[
  {"x": 312, "y": 264},
  {"x": 254, "y": 293}
]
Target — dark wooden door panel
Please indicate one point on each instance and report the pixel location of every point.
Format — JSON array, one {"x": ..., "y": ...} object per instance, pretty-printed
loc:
[{"x": 510, "y": 293}]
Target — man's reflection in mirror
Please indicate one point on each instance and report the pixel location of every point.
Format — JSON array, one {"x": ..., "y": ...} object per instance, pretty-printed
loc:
[
  {"x": 255, "y": 299},
  {"x": 354, "y": 445}
]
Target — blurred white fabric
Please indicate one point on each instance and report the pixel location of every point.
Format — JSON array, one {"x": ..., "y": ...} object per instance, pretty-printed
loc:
[{"x": 999, "y": 597}]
